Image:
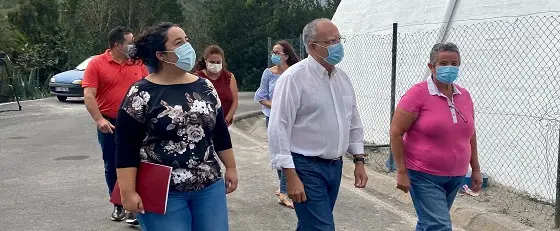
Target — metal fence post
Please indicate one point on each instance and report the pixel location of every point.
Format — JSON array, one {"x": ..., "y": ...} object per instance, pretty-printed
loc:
[
  {"x": 557, "y": 207},
  {"x": 269, "y": 48},
  {"x": 301, "y": 46},
  {"x": 391, "y": 164}
]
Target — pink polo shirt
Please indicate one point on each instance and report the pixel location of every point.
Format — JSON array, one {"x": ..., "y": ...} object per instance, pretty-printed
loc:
[{"x": 438, "y": 142}]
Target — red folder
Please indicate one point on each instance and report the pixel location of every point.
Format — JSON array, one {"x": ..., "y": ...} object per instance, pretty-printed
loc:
[{"x": 152, "y": 185}]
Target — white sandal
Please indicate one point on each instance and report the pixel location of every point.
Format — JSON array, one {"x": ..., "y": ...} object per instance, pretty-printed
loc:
[{"x": 286, "y": 202}]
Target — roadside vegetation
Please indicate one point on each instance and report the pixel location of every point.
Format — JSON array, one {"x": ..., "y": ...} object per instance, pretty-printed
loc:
[{"x": 46, "y": 37}]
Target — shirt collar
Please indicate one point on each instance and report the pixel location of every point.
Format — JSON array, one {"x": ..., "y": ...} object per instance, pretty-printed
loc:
[
  {"x": 319, "y": 69},
  {"x": 432, "y": 88},
  {"x": 108, "y": 56}
]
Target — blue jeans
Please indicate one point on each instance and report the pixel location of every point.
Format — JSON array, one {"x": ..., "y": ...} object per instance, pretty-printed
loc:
[
  {"x": 281, "y": 176},
  {"x": 432, "y": 197},
  {"x": 282, "y": 179},
  {"x": 321, "y": 182},
  {"x": 108, "y": 147},
  {"x": 200, "y": 210}
]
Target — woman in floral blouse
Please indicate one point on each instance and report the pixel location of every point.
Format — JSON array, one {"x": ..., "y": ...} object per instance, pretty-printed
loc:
[{"x": 175, "y": 118}]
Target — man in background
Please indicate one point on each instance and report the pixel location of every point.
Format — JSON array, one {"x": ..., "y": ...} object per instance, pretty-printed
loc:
[{"x": 107, "y": 79}]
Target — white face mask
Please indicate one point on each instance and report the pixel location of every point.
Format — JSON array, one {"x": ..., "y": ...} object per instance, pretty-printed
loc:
[{"x": 214, "y": 67}]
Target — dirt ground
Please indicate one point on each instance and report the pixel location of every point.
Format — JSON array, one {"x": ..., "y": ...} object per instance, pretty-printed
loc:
[{"x": 495, "y": 198}]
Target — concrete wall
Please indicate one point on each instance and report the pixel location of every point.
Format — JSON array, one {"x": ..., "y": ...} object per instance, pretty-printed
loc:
[{"x": 510, "y": 66}]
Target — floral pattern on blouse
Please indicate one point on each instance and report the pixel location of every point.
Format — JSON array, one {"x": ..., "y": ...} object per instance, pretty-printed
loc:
[{"x": 181, "y": 123}]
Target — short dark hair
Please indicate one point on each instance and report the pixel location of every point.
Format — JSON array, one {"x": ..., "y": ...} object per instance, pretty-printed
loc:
[
  {"x": 116, "y": 35},
  {"x": 150, "y": 41},
  {"x": 439, "y": 47},
  {"x": 289, "y": 51}
]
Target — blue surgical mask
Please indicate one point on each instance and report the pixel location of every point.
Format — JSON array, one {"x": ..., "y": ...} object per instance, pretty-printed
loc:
[
  {"x": 336, "y": 53},
  {"x": 275, "y": 59},
  {"x": 447, "y": 74},
  {"x": 186, "y": 57}
]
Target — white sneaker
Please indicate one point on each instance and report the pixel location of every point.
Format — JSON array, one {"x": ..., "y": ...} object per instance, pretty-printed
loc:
[{"x": 131, "y": 219}]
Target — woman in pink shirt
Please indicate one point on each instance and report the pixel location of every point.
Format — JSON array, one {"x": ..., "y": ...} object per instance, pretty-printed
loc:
[{"x": 433, "y": 140}]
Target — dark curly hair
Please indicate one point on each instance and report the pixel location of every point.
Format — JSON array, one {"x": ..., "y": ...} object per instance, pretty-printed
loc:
[{"x": 150, "y": 41}]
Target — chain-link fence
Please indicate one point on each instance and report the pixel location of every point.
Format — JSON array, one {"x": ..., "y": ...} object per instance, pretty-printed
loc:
[
  {"x": 511, "y": 68},
  {"x": 297, "y": 43}
]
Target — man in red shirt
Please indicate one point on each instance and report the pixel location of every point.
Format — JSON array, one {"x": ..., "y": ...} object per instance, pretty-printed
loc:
[{"x": 106, "y": 81}]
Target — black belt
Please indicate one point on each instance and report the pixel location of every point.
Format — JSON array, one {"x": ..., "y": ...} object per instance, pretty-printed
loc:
[{"x": 318, "y": 159}]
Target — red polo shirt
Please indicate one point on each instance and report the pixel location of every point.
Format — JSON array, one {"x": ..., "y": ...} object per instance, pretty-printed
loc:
[{"x": 112, "y": 81}]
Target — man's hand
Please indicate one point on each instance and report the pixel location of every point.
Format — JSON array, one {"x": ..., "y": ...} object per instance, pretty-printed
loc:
[
  {"x": 360, "y": 175},
  {"x": 476, "y": 179},
  {"x": 105, "y": 126},
  {"x": 132, "y": 202},
  {"x": 231, "y": 180},
  {"x": 295, "y": 188},
  {"x": 403, "y": 181}
]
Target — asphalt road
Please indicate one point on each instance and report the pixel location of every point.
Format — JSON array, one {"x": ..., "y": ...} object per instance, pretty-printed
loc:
[{"x": 51, "y": 178}]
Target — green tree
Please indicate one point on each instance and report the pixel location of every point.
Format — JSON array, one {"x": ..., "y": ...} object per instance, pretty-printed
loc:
[
  {"x": 10, "y": 38},
  {"x": 36, "y": 19},
  {"x": 242, "y": 28},
  {"x": 50, "y": 36},
  {"x": 196, "y": 23},
  {"x": 91, "y": 21},
  {"x": 39, "y": 22}
]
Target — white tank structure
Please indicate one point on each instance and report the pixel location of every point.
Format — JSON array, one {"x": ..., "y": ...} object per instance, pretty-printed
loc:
[{"x": 510, "y": 64}]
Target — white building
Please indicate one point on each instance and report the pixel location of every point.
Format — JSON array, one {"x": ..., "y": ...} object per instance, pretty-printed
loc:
[{"x": 510, "y": 64}]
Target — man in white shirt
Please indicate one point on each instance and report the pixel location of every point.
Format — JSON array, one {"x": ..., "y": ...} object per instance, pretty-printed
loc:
[{"x": 313, "y": 123}]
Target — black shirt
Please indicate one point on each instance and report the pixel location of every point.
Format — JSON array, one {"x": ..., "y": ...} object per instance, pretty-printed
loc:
[{"x": 179, "y": 125}]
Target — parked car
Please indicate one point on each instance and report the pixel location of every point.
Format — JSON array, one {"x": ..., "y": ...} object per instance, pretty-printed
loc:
[{"x": 69, "y": 83}]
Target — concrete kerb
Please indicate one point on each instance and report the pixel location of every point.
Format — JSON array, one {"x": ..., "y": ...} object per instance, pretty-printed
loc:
[
  {"x": 24, "y": 101},
  {"x": 463, "y": 215},
  {"x": 245, "y": 115}
]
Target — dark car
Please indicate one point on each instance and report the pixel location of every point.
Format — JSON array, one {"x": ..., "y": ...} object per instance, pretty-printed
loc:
[{"x": 69, "y": 83}]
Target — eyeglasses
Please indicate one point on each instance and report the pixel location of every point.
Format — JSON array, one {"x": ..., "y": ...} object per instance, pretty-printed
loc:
[
  {"x": 460, "y": 113},
  {"x": 333, "y": 41}
]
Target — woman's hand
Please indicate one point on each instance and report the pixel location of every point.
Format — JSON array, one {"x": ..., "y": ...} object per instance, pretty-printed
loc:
[
  {"x": 231, "y": 180},
  {"x": 476, "y": 178},
  {"x": 229, "y": 119},
  {"x": 132, "y": 202},
  {"x": 403, "y": 181}
]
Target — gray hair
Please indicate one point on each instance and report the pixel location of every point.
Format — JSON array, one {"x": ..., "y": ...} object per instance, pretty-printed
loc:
[
  {"x": 438, "y": 47},
  {"x": 310, "y": 31}
]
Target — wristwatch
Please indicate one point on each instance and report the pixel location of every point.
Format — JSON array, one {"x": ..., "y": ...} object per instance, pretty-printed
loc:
[{"x": 356, "y": 159}]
